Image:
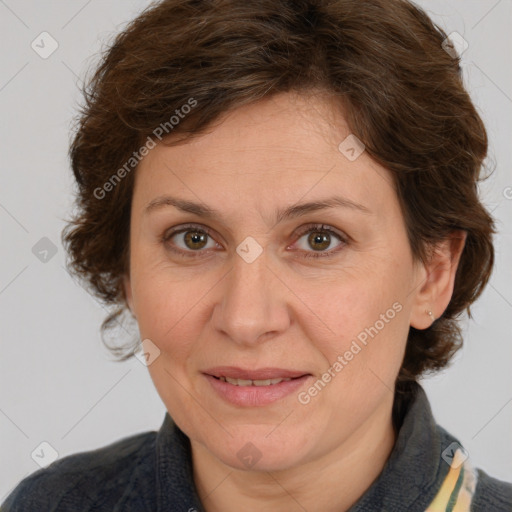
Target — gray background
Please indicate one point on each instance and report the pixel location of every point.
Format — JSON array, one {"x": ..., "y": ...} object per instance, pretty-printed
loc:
[{"x": 58, "y": 383}]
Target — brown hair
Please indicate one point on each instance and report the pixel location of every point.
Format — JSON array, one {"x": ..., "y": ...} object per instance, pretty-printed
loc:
[{"x": 402, "y": 93}]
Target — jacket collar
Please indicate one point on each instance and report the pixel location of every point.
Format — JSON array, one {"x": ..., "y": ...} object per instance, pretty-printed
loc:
[
  {"x": 414, "y": 471},
  {"x": 175, "y": 488}
]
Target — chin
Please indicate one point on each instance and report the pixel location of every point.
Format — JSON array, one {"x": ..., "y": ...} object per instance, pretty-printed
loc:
[
  {"x": 263, "y": 461},
  {"x": 257, "y": 450}
]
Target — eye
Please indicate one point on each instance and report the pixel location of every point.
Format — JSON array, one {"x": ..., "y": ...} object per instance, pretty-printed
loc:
[
  {"x": 320, "y": 237},
  {"x": 188, "y": 239}
]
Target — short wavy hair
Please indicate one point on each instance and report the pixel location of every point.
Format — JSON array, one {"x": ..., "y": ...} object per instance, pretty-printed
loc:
[{"x": 388, "y": 64}]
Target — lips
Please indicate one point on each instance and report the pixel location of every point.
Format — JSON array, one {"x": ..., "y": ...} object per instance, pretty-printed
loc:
[
  {"x": 255, "y": 393},
  {"x": 262, "y": 374}
]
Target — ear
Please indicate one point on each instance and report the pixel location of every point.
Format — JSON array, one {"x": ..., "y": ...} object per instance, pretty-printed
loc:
[
  {"x": 128, "y": 293},
  {"x": 434, "y": 287}
]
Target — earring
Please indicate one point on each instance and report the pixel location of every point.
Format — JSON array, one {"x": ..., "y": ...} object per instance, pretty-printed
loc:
[{"x": 432, "y": 317}]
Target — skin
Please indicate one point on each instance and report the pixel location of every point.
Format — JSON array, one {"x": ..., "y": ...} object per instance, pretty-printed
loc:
[{"x": 283, "y": 309}]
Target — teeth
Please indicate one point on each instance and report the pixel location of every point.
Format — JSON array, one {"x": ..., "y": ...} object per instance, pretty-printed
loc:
[
  {"x": 244, "y": 382},
  {"x": 239, "y": 382}
]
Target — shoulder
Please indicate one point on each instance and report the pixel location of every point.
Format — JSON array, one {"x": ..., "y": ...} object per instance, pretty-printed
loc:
[
  {"x": 491, "y": 494},
  {"x": 92, "y": 480}
]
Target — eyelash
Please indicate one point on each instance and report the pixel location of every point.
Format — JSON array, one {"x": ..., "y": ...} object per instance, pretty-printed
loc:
[{"x": 203, "y": 230}]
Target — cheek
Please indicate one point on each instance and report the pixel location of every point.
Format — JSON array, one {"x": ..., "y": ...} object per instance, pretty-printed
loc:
[
  {"x": 345, "y": 306},
  {"x": 361, "y": 323},
  {"x": 168, "y": 315},
  {"x": 166, "y": 299}
]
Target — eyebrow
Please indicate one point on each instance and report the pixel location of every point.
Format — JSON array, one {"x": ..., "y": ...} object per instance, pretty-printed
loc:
[{"x": 290, "y": 212}]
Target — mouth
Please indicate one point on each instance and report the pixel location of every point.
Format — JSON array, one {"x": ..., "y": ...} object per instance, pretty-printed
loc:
[
  {"x": 249, "y": 382},
  {"x": 254, "y": 387},
  {"x": 260, "y": 377}
]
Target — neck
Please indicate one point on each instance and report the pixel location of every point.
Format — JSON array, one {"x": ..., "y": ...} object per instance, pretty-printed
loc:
[{"x": 332, "y": 482}]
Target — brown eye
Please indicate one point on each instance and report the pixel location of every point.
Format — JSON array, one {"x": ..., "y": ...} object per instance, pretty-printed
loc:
[
  {"x": 195, "y": 239},
  {"x": 319, "y": 239},
  {"x": 319, "y": 242},
  {"x": 188, "y": 240}
]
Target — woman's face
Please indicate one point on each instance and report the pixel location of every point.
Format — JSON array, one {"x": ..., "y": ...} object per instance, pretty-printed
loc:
[{"x": 239, "y": 293}]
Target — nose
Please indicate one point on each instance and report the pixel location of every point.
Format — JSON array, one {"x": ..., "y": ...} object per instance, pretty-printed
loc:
[{"x": 253, "y": 302}]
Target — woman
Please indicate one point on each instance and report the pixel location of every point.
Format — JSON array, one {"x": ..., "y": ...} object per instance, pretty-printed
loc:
[{"x": 284, "y": 196}]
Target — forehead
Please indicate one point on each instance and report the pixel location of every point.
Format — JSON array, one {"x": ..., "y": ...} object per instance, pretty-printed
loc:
[{"x": 278, "y": 150}]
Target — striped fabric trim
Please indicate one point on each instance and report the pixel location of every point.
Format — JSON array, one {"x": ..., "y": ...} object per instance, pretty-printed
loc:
[{"x": 458, "y": 487}]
